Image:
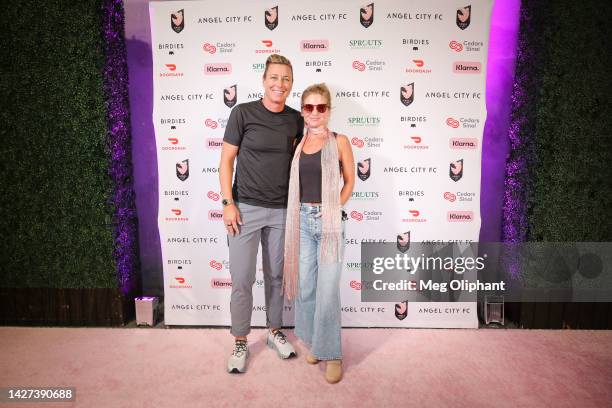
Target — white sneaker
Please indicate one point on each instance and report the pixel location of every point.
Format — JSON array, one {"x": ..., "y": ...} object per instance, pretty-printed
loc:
[
  {"x": 238, "y": 359},
  {"x": 278, "y": 341}
]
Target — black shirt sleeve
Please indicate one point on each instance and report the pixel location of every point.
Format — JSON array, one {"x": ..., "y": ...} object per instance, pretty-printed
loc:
[
  {"x": 234, "y": 131},
  {"x": 300, "y": 131}
]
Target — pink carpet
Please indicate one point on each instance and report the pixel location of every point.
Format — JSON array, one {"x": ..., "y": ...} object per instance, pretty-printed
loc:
[{"x": 140, "y": 367}]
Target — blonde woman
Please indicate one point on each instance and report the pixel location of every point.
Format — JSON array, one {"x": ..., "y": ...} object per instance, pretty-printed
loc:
[{"x": 314, "y": 234}]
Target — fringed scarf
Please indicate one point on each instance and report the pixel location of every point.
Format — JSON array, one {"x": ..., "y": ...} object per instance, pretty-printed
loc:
[{"x": 331, "y": 233}]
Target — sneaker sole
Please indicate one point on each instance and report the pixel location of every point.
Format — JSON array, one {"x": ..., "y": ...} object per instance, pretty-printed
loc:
[{"x": 278, "y": 353}]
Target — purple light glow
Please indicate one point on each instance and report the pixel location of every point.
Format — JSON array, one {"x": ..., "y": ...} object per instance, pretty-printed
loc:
[
  {"x": 119, "y": 145},
  {"x": 520, "y": 132},
  {"x": 500, "y": 76},
  {"x": 518, "y": 181},
  {"x": 146, "y": 298}
]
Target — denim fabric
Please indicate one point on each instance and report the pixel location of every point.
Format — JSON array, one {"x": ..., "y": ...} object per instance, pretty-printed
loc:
[{"x": 317, "y": 304}]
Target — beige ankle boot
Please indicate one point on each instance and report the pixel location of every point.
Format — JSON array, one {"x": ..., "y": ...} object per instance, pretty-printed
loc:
[
  {"x": 310, "y": 359},
  {"x": 333, "y": 371}
]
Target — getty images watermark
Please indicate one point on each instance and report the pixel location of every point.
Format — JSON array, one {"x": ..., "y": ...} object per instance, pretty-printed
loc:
[{"x": 463, "y": 272}]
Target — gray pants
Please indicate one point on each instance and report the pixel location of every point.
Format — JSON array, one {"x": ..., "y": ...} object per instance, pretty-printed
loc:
[{"x": 265, "y": 225}]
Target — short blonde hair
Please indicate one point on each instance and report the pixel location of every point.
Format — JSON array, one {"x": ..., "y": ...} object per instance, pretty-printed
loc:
[
  {"x": 318, "y": 89},
  {"x": 277, "y": 59}
]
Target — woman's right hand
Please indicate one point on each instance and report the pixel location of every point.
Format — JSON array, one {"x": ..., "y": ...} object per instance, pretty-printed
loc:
[{"x": 232, "y": 219}]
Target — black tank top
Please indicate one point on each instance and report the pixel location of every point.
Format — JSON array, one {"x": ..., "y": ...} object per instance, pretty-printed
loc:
[{"x": 310, "y": 177}]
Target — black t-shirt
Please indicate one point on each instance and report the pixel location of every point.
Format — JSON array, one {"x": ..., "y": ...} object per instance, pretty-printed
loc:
[{"x": 265, "y": 141}]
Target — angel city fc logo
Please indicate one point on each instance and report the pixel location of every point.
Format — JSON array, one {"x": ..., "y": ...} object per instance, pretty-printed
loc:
[
  {"x": 366, "y": 15},
  {"x": 182, "y": 170},
  {"x": 271, "y": 18},
  {"x": 403, "y": 241},
  {"x": 363, "y": 169},
  {"x": 401, "y": 310},
  {"x": 456, "y": 170},
  {"x": 464, "y": 16},
  {"x": 177, "y": 20},
  {"x": 407, "y": 94},
  {"x": 230, "y": 96}
]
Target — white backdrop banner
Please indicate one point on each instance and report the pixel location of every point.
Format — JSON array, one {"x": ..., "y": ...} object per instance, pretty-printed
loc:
[{"x": 408, "y": 87}]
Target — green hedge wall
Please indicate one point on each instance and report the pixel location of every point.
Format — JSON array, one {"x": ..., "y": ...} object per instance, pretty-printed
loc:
[
  {"x": 572, "y": 191},
  {"x": 56, "y": 219}
]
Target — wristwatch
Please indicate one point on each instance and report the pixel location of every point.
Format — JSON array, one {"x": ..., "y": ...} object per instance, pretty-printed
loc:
[{"x": 227, "y": 202}]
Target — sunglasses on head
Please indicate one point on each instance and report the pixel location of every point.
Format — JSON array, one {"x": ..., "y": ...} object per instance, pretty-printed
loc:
[{"x": 308, "y": 108}]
